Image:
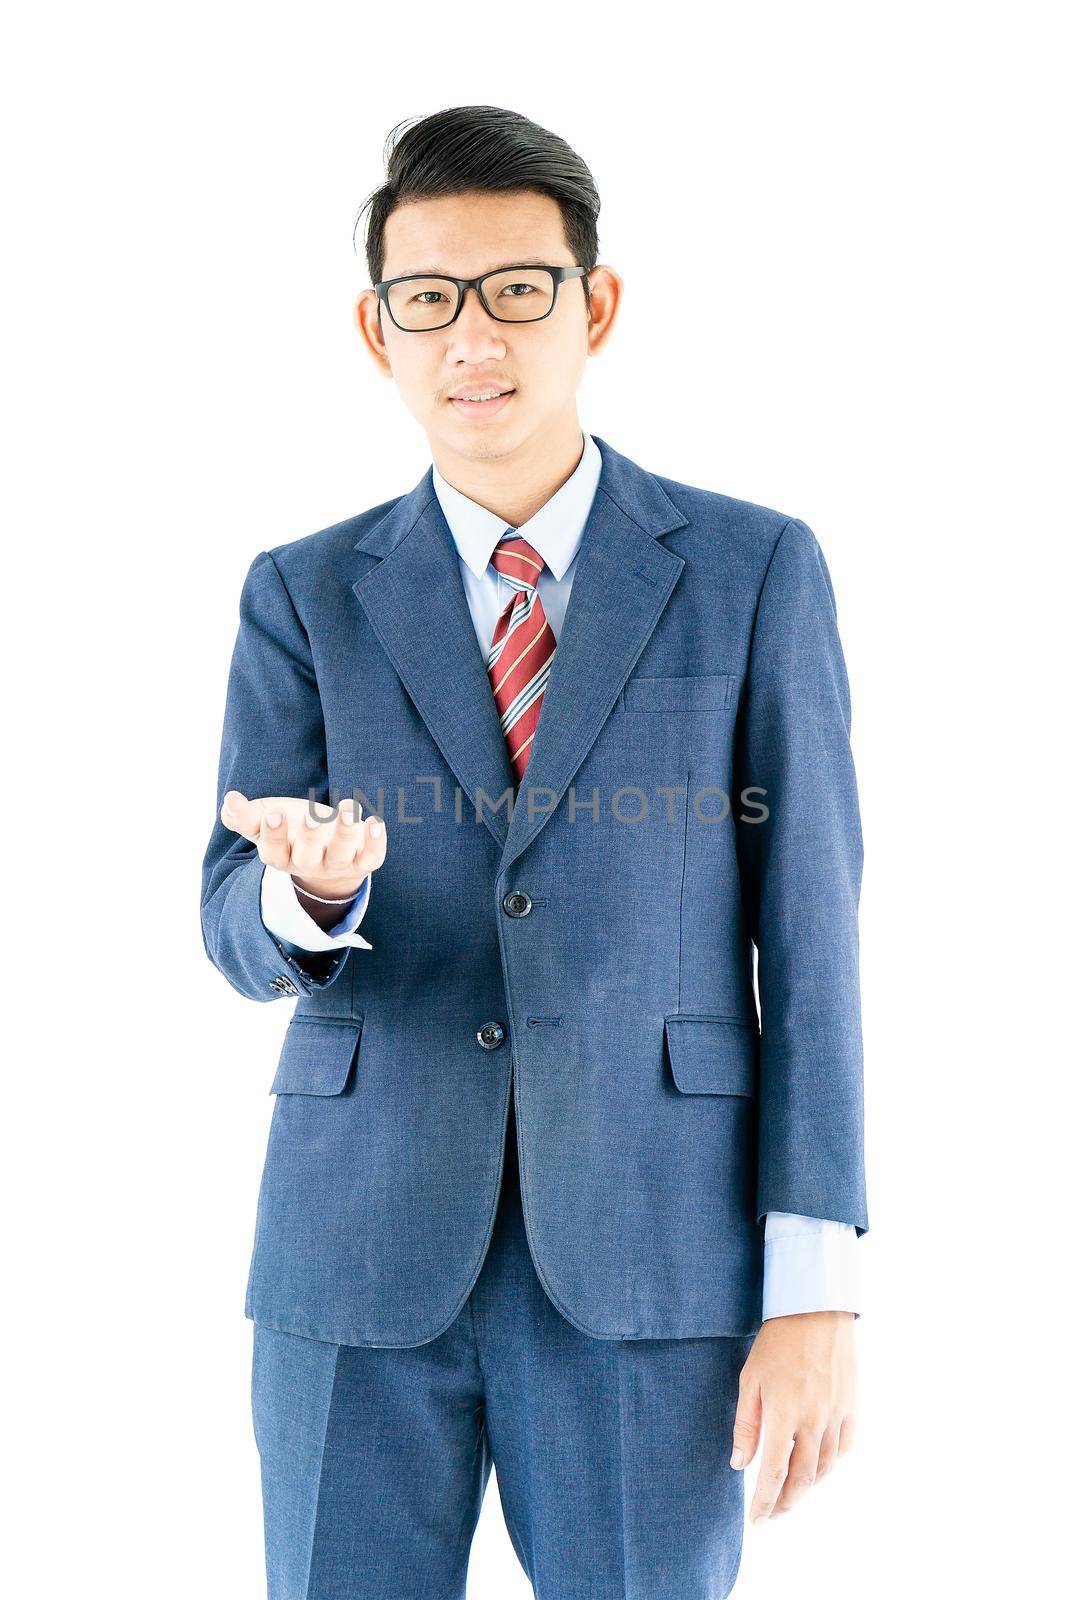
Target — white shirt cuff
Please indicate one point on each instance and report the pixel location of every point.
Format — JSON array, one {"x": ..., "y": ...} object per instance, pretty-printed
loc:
[
  {"x": 811, "y": 1264},
  {"x": 284, "y": 915}
]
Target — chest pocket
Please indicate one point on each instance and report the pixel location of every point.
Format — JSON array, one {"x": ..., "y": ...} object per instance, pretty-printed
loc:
[
  {"x": 317, "y": 1055},
  {"x": 709, "y": 693}
]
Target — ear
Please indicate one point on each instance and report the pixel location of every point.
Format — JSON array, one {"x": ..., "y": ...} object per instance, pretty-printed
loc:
[
  {"x": 367, "y": 316},
  {"x": 606, "y": 287}
]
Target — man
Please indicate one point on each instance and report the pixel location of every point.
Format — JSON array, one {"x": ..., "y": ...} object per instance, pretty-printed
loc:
[{"x": 538, "y": 1191}]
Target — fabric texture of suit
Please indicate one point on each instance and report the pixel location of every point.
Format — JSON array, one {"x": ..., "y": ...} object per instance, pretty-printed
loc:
[
  {"x": 611, "y": 1456},
  {"x": 698, "y": 677}
]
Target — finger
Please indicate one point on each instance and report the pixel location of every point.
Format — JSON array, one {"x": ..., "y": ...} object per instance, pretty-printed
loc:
[
  {"x": 370, "y": 852},
  {"x": 847, "y": 1434},
  {"x": 830, "y": 1449},
  {"x": 802, "y": 1470},
  {"x": 748, "y": 1424},
  {"x": 776, "y": 1454},
  {"x": 346, "y": 840},
  {"x": 240, "y": 815},
  {"x": 310, "y": 841},
  {"x": 273, "y": 843},
  {"x": 373, "y": 854}
]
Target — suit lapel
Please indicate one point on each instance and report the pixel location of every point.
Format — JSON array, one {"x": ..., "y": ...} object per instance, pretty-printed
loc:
[{"x": 415, "y": 601}]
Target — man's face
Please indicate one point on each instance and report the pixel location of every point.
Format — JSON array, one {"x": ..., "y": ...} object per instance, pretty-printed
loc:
[{"x": 541, "y": 362}]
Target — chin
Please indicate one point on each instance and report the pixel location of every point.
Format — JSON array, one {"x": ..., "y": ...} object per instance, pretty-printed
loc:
[{"x": 482, "y": 443}]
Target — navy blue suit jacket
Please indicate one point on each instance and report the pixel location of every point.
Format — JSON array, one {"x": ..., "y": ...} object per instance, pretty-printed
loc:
[{"x": 690, "y": 796}]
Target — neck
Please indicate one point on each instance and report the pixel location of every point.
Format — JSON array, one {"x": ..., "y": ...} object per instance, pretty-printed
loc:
[{"x": 514, "y": 486}]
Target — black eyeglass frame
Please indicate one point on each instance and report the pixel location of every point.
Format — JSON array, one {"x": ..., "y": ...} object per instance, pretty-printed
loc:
[{"x": 559, "y": 274}]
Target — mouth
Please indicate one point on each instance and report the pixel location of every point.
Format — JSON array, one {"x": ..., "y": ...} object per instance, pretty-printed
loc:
[{"x": 483, "y": 408}]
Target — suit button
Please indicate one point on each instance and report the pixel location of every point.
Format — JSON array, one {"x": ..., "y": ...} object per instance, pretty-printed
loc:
[
  {"x": 517, "y": 904},
  {"x": 490, "y": 1035}
]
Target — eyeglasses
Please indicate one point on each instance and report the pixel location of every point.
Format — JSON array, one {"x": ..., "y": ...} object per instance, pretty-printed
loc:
[{"x": 422, "y": 302}]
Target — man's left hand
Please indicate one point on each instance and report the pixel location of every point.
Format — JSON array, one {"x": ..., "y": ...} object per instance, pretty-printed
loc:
[{"x": 798, "y": 1383}]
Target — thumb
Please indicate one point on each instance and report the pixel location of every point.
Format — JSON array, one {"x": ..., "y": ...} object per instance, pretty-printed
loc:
[{"x": 748, "y": 1424}]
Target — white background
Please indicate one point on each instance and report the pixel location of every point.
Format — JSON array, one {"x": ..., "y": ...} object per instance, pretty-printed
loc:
[{"x": 877, "y": 346}]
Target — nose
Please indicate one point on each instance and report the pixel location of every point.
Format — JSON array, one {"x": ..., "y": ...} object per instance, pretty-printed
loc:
[{"x": 474, "y": 330}]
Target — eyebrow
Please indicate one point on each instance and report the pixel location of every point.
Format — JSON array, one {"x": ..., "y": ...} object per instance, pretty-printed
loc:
[{"x": 444, "y": 272}]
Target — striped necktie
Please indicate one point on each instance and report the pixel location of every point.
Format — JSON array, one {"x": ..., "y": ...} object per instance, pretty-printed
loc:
[{"x": 522, "y": 648}]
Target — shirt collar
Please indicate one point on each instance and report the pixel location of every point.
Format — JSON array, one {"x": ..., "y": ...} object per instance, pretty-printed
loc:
[{"x": 554, "y": 530}]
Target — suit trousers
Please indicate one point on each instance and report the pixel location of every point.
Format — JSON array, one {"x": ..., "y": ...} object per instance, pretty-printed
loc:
[{"x": 611, "y": 1455}]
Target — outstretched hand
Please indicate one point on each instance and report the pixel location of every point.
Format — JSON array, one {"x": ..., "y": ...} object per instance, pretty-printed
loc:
[{"x": 332, "y": 856}]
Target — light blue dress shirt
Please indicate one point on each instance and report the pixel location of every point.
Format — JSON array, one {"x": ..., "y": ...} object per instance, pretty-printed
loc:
[{"x": 811, "y": 1263}]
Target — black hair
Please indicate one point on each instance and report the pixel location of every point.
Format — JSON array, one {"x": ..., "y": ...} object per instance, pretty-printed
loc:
[{"x": 483, "y": 150}]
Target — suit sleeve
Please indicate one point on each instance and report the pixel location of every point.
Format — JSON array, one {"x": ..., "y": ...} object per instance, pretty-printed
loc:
[
  {"x": 273, "y": 743},
  {"x": 800, "y": 875}
]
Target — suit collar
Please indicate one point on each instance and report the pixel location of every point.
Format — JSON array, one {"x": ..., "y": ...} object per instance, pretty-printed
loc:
[
  {"x": 637, "y": 494},
  {"x": 414, "y": 599}
]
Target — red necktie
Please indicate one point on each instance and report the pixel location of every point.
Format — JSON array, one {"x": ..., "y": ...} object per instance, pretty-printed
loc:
[{"x": 522, "y": 648}]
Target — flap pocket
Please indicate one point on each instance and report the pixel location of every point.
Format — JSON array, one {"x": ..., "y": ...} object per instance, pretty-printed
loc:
[
  {"x": 712, "y": 1055},
  {"x": 317, "y": 1054},
  {"x": 677, "y": 694}
]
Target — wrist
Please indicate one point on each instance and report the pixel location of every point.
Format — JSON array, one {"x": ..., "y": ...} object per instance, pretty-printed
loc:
[{"x": 328, "y": 892}]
